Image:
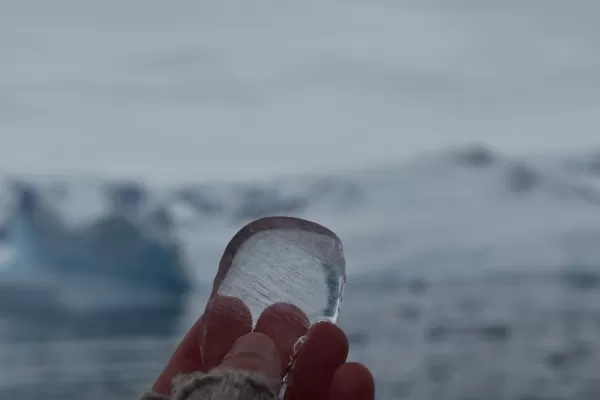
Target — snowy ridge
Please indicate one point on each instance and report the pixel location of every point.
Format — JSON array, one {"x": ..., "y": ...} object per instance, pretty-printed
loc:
[{"x": 453, "y": 212}]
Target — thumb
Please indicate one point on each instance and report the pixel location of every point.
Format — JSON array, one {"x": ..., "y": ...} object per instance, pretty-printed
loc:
[{"x": 254, "y": 352}]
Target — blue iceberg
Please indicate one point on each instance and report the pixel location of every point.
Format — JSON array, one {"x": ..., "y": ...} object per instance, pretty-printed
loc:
[{"x": 112, "y": 262}]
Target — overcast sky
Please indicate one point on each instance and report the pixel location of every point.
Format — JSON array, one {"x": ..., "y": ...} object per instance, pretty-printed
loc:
[{"x": 234, "y": 88}]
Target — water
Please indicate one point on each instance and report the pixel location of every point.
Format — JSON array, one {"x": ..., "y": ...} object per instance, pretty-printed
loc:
[
  {"x": 74, "y": 369},
  {"x": 504, "y": 339}
]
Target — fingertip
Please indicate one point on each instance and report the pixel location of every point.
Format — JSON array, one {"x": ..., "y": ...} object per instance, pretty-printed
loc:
[
  {"x": 226, "y": 319},
  {"x": 352, "y": 381},
  {"x": 284, "y": 323},
  {"x": 230, "y": 307},
  {"x": 285, "y": 313},
  {"x": 322, "y": 352},
  {"x": 253, "y": 352},
  {"x": 330, "y": 335}
]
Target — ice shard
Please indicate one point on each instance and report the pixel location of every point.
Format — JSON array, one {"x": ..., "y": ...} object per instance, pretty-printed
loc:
[{"x": 284, "y": 260}]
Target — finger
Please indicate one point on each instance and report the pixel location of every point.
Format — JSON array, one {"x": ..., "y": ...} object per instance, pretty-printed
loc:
[
  {"x": 254, "y": 352},
  {"x": 284, "y": 324},
  {"x": 352, "y": 381},
  {"x": 186, "y": 358},
  {"x": 226, "y": 320},
  {"x": 323, "y": 351}
]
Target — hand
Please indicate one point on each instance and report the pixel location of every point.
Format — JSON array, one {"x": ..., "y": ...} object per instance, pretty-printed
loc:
[{"x": 320, "y": 371}]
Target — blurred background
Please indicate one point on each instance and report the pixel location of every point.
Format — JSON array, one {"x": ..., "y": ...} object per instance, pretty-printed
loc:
[{"x": 452, "y": 145}]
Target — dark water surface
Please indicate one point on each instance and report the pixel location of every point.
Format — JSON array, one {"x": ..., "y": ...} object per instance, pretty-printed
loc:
[{"x": 515, "y": 339}]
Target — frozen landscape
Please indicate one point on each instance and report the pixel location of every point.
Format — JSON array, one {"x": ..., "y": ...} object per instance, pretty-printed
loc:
[
  {"x": 471, "y": 274},
  {"x": 137, "y": 136}
]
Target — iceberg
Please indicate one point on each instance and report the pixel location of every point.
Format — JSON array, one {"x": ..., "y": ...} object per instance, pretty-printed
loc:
[{"x": 112, "y": 261}]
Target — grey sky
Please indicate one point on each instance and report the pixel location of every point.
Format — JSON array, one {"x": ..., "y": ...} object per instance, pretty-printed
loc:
[{"x": 230, "y": 88}]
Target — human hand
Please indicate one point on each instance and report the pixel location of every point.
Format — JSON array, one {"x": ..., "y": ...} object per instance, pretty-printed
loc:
[{"x": 223, "y": 340}]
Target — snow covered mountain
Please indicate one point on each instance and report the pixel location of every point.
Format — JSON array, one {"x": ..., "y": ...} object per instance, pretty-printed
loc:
[{"x": 449, "y": 214}]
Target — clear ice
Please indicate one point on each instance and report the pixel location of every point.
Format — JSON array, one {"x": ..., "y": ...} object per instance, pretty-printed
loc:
[{"x": 282, "y": 259}]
